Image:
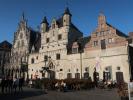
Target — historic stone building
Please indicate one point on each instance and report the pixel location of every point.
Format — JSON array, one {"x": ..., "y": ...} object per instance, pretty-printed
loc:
[
  {"x": 5, "y": 50},
  {"x": 25, "y": 39},
  {"x": 56, "y": 46},
  {"x": 60, "y": 51},
  {"x": 65, "y": 53},
  {"x": 107, "y": 51}
]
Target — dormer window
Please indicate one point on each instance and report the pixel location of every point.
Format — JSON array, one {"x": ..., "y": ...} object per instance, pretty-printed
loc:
[{"x": 74, "y": 50}]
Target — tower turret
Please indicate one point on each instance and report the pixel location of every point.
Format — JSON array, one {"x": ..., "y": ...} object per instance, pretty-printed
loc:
[
  {"x": 67, "y": 17},
  {"x": 44, "y": 25},
  {"x": 101, "y": 20}
]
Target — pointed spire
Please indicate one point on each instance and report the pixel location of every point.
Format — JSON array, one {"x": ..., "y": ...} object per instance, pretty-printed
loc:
[
  {"x": 45, "y": 20},
  {"x": 23, "y": 17},
  {"x": 67, "y": 11}
]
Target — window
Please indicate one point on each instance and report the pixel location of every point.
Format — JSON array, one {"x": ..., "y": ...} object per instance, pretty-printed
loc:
[
  {"x": 74, "y": 50},
  {"x": 37, "y": 57},
  {"x": 95, "y": 43},
  {"x": 57, "y": 56},
  {"x": 118, "y": 68},
  {"x": 110, "y": 40},
  {"x": 32, "y": 60},
  {"x": 103, "y": 44},
  {"x": 77, "y": 75},
  {"x": 69, "y": 75},
  {"x": 102, "y": 33},
  {"x": 59, "y": 37},
  {"x": 107, "y": 74},
  {"x": 47, "y": 40},
  {"x": 45, "y": 58}
]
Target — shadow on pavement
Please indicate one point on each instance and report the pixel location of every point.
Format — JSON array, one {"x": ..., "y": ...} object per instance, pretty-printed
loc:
[{"x": 21, "y": 95}]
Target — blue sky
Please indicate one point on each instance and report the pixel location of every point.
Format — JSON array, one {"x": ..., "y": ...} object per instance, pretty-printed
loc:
[{"x": 119, "y": 13}]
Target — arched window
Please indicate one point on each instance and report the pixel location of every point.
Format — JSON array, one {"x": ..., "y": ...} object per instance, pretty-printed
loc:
[
  {"x": 32, "y": 60},
  {"x": 22, "y": 42}
]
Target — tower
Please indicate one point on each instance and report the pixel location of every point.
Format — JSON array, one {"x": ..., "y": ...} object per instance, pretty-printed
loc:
[
  {"x": 44, "y": 25},
  {"x": 101, "y": 20},
  {"x": 67, "y": 17}
]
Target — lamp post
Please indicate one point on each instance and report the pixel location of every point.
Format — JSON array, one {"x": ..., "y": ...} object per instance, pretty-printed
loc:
[
  {"x": 45, "y": 68},
  {"x": 80, "y": 51}
]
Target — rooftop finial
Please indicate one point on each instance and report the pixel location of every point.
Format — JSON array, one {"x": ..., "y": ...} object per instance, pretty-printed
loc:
[
  {"x": 23, "y": 17},
  {"x": 45, "y": 20}
]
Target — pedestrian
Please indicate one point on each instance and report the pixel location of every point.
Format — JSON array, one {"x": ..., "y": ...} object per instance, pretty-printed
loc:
[
  {"x": 21, "y": 82},
  {"x": 10, "y": 84},
  {"x": 15, "y": 84},
  {"x": 6, "y": 82},
  {"x": 30, "y": 83},
  {"x": 2, "y": 85}
]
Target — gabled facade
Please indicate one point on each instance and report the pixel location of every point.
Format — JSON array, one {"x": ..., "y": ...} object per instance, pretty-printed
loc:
[
  {"x": 56, "y": 43},
  {"x": 107, "y": 52},
  {"x": 25, "y": 39}
]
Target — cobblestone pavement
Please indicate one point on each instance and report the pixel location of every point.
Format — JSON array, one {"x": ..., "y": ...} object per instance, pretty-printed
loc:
[{"x": 36, "y": 94}]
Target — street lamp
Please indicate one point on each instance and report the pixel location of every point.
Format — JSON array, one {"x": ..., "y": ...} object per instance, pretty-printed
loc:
[
  {"x": 45, "y": 68},
  {"x": 80, "y": 51}
]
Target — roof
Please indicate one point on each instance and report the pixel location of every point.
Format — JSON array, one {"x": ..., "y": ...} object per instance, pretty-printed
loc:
[
  {"x": 35, "y": 40},
  {"x": 44, "y": 20},
  {"x": 5, "y": 45},
  {"x": 83, "y": 41},
  {"x": 67, "y": 11},
  {"x": 118, "y": 32}
]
